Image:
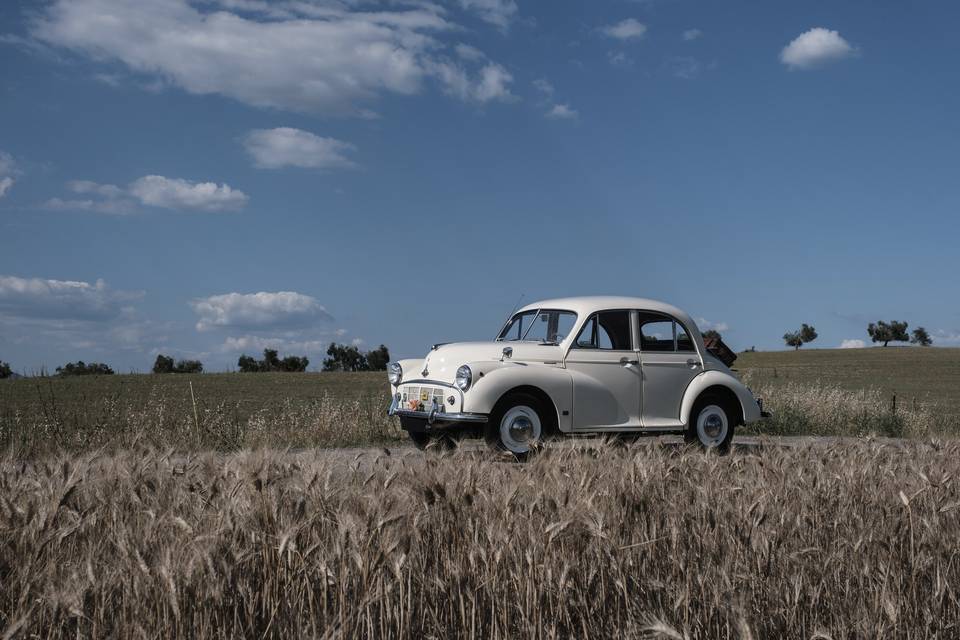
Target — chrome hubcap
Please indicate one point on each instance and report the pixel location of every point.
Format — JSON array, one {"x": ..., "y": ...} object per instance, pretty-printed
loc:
[
  {"x": 713, "y": 425},
  {"x": 521, "y": 428}
]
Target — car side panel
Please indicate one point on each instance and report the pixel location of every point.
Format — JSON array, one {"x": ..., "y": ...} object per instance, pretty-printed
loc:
[
  {"x": 751, "y": 411},
  {"x": 499, "y": 378}
]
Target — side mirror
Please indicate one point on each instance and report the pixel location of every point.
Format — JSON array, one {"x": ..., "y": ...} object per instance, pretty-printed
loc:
[{"x": 507, "y": 353}]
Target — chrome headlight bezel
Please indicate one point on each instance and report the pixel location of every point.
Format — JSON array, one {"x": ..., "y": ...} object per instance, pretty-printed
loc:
[
  {"x": 394, "y": 373},
  {"x": 464, "y": 377}
]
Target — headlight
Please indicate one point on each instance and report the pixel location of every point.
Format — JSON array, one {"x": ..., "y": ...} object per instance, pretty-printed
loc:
[
  {"x": 464, "y": 378},
  {"x": 394, "y": 373}
]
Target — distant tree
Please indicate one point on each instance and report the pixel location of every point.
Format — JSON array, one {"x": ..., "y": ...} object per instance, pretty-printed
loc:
[
  {"x": 272, "y": 362},
  {"x": 921, "y": 337},
  {"x": 343, "y": 357},
  {"x": 163, "y": 364},
  {"x": 247, "y": 364},
  {"x": 294, "y": 364},
  {"x": 377, "y": 359},
  {"x": 797, "y": 339},
  {"x": 188, "y": 366},
  {"x": 710, "y": 334},
  {"x": 886, "y": 333},
  {"x": 5, "y": 370},
  {"x": 80, "y": 368}
]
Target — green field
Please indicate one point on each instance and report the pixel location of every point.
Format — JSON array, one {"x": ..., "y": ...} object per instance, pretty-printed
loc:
[
  {"x": 823, "y": 392},
  {"x": 930, "y": 376}
]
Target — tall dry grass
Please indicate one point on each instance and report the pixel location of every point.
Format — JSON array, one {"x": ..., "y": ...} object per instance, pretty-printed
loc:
[
  {"x": 847, "y": 541},
  {"x": 802, "y": 408},
  {"x": 114, "y": 423}
]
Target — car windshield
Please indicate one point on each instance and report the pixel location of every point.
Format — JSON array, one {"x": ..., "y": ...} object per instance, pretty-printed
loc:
[{"x": 545, "y": 326}]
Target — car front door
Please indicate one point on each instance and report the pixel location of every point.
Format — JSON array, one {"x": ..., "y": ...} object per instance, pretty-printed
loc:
[
  {"x": 604, "y": 365},
  {"x": 669, "y": 362}
]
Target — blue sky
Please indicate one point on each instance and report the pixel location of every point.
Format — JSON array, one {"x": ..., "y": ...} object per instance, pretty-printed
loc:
[{"x": 208, "y": 177}]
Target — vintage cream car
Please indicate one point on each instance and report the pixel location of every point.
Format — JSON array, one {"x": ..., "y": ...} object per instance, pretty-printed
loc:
[{"x": 588, "y": 365}]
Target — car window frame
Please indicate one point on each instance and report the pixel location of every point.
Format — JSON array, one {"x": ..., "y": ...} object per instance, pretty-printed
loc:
[
  {"x": 641, "y": 313},
  {"x": 632, "y": 328},
  {"x": 538, "y": 310}
]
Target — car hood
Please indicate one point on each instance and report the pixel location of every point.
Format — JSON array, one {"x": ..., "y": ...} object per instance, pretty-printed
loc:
[{"x": 442, "y": 362}]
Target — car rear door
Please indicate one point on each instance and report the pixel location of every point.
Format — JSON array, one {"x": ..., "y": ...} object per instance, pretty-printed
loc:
[{"x": 669, "y": 362}]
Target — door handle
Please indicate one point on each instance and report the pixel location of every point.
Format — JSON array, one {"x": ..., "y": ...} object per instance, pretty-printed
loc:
[
  {"x": 626, "y": 362},
  {"x": 693, "y": 364}
]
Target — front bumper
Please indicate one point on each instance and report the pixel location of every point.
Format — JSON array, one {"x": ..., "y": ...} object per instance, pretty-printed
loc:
[{"x": 434, "y": 415}]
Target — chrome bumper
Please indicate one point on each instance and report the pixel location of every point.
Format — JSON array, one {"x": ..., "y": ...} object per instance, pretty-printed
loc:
[{"x": 434, "y": 415}]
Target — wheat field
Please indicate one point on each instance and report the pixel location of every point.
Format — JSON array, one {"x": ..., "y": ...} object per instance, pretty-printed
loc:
[{"x": 846, "y": 541}]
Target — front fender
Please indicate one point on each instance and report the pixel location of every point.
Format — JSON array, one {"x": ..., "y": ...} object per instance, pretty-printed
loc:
[
  {"x": 411, "y": 368},
  {"x": 493, "y": 379},
  {"x": 707, "y": 379}
]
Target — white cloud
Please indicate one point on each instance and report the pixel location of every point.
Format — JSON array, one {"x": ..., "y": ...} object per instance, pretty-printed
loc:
[
  {"x": 706, "y": 325},
  {"x": 941, "y": 336},
  {"x": 619, "y": 59},
  {"x": 263, "y": 310},
  {"x": 490, "y": 85},
  {"x": 288, "y": 147},
  {"x": 628, "y": 29},
  {"x": 154, "y": 191},
  {"x": 691, "y": 34},
  {"x": 468, "y": 52},
  {"x": 325, "y": 58},
  {"x": 8, "y": 169},
  {"x": 176, "y": 193},
  {"x": 256, "y": 344},
  {"x": 853, "y": 344},
  {"x": 43, "y": 299},
  {"x": 563, "y": 112},
  {"x": 543, "y": 86},
  {"x": 496, "y": 12},
  {"x": 684, "y": 67},
  {"x": 814, "y": 48}
]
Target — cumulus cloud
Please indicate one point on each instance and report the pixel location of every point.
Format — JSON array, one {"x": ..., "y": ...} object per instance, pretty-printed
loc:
[
  {"x": 496, "y": 12},
  {"x": 153, "y": 191},
  {"x": 706, "y": 325},
  {"x": 326, "y": 58},
  {"x": 815, "y": 48},
  {"x": 263, "y": 310},
  {"x": 490, "y": 83},
  {"x": 563, "y": 112},
  {"x": 8, "y": 168},
  {"x": 44, "y": 299},
  {"x": 256, "y": 344},
  {"x": 288, "y": 147},
  {"x": 691, "y": 34},
  {"x": 544, "y": 86},
  {"x": 852, "y": 343},
  {"x": 629, "y": 29},
  {"x": 176, "y": 193},
  {"x": 468, "y": 52}
]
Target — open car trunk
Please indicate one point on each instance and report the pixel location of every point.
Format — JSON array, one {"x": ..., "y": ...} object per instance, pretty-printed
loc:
[{"x": 720, "y": 351}]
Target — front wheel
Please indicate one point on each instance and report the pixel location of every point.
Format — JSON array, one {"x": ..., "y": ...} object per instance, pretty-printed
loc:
[
  {"x": 710, "y": 425},
  {"x": 516, "y": 425}
]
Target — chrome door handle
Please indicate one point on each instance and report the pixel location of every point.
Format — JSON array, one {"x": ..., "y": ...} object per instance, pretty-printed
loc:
[
  {"x": 626, "y": 362},
  {"x": 693, "y": 364}
]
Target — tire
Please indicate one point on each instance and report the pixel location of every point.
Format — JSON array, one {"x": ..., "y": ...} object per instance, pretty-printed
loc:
[
  {"x": 517, "y": 425},
  {"x": 433, "y": 441},
  {"x": 711, "y": 424}
]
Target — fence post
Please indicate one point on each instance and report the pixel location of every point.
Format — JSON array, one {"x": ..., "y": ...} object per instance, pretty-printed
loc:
[{"x": 893, "y": 407}]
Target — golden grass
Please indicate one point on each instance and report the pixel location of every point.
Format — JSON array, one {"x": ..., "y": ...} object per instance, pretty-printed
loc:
[{"x": 847, "y": 541}]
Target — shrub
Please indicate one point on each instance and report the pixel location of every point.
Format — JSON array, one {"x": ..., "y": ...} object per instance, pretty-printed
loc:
[{"x": 80, "y": 368}]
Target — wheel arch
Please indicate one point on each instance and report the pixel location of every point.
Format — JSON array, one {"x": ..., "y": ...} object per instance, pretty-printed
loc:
[
  {"x": 724, "y": 386},
  {"x": 553, "y": 415}
]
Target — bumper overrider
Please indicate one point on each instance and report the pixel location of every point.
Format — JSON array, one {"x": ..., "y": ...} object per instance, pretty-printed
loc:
[{"x": 430, "y": 415}]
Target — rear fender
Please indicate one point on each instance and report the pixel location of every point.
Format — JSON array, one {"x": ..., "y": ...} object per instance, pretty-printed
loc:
[{"x": 750, "y": 410}]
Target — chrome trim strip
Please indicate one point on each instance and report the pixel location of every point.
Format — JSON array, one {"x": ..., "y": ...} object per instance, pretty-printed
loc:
[{"x": 441, "y": 417}]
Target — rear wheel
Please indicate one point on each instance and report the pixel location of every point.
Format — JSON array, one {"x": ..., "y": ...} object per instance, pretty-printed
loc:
[
  {"x": 517, "y": 425},
  {"x": 711, "y": 425}
]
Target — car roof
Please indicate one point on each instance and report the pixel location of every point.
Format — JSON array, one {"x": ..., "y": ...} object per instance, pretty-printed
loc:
[{"x": 585, "y": 305}]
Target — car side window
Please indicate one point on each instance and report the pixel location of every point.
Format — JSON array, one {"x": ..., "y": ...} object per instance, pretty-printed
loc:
[
  {"x": 609, "y": 330},
  {"x": 656, "y": 332}
]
